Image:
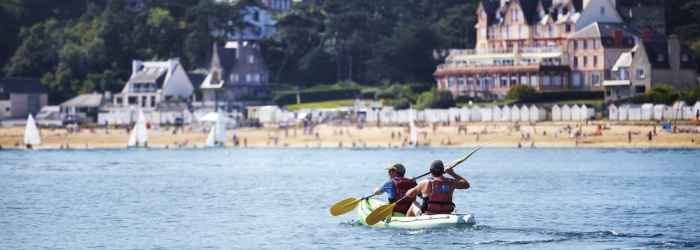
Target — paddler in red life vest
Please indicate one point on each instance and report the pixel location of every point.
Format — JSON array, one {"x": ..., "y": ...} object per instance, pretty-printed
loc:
[
  {"x": 397, "y": 186},
  {"x": 437, "y": 190}
]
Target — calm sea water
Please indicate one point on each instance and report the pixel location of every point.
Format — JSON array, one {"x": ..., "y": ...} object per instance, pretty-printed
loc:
[{"x": 545, "y": 198}]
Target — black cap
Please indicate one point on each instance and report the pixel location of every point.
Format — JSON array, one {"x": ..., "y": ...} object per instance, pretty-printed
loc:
[{"x": 437, "y": 167}]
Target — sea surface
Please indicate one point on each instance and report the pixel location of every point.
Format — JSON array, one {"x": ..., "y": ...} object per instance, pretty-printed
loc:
[{"x": 279, "y": 198}]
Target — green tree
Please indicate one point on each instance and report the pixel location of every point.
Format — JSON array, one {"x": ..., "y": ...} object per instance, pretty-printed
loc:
[
  {"x": 520, "y": 92},
  {"x": 436, "y": 99}
]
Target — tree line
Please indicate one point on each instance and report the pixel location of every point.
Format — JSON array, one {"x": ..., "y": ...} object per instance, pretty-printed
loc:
[{"x": 82, "y": 46}]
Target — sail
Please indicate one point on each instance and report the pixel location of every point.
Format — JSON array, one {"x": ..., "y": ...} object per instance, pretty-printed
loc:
[
  {"x": 31, "y": 133},
  {"x": 139, "y": 134},
  {"x": 414, "y": 133},
  {"x": 217, "y": 134}
]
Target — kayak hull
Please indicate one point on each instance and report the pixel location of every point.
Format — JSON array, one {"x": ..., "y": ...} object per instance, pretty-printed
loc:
[{"x": 399, "y": 220}]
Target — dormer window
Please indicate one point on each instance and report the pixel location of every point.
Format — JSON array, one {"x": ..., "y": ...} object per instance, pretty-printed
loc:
[
  {"x": 683, "y": 58},
  {"x": 660, "y": 58},
  {"x": 602, "y": 10},
  {"x": 250, "y": 59}
]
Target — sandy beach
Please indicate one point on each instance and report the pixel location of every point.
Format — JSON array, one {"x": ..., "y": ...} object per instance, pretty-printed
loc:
[{"x": 543, "y": 134}]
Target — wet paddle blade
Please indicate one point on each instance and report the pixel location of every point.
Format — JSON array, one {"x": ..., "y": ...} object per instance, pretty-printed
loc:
[
  {"x": 379, "y": 214},
  {"x": 344, "y": 206}
]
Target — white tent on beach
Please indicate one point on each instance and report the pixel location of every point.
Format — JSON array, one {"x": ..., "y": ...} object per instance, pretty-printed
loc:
[
  {"x": 647, "y": 111},
  {"x": 486, "y": 114},
  {"x": 537, "y": 113},
  {"x": 515, "y": 113},
  {"x": 613, "y": 112},
  {"x": 505, "y": 114},
  {"x": 496, "y": 112},
  {"x": 587, "y": 112},
  {"x": 475, "y": 113},
  {"x": 634, "y": 112},
  {"x": 524, "y": 113},
  {"x": 556, "y": 112},
  {"x": 565, "y": 112}
]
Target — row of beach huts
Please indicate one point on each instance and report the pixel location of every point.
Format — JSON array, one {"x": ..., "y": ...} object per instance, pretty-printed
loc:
[{"x": 503, "y": 113}]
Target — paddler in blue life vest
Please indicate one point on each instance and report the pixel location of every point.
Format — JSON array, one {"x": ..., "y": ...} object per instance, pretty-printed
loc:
[
  {"x": 397, "y": 186},
  {"x": 436, "y": 191}
]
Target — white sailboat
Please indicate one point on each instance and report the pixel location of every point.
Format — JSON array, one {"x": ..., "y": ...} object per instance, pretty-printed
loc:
[
  {"x": 31, "y": 133},
  {"x": 412, "y": 124},
  {"x": 139, "y": 135},
  {"x": 217, "y": 134}
]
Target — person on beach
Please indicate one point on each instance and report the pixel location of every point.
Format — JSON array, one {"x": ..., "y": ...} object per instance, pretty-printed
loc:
[
  {"x": 397, "y": 186},
  {"x": 436, "y": 191}
]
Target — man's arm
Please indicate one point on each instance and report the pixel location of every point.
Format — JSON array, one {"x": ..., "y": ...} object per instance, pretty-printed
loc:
[{"x": 460, "y": 183}]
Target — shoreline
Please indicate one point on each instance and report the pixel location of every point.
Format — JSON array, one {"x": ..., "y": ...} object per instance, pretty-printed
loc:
[{"x": 346, "y": 135}]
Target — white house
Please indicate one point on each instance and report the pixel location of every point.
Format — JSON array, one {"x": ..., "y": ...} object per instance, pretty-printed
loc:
[
  {"x": 556, "y": 112},
  {"x": 647, "y": 111},
  {"x": 154, "y": 82}
]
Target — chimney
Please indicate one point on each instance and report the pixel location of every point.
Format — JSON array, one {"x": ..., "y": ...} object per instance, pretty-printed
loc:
[
  {"x": 646, "y": 35},
  {"x": 674, "y": 53},
  {"x": 617, "y": 38},
  {"x": 135, "y": 66}
]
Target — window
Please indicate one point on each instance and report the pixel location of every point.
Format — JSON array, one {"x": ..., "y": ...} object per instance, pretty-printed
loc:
[
  {"x": 568, "y": 28},
  {"x": 513, "y": 80},
  {"x": 533, "y": 80},
  {"x": 546, "y": 81},
  {"x": 595, "y": 61},
  {"x": 602, "y": 10},
  {"x": 451, "y": 84},
  {"x": 596, "y": 79},
  {"x": 585, "y": 61},
  {"x": 683, "y": 58},
  {"x": 596, "y": 44},
  {"x": 470, "y": 82},
  {"x": 523, "y": 79},
  {"x": 250, "y": 59},
  {"x": 576, "y": 79},
  {"x": 557, "y": 81},
  {"x": 660, "y": 58},
  {"x": 585, "y": 44},
  {"x": 514, "y": 15},
  {"x": 460, "y": 82},
  {"x": 640, "y": 73},
  {"x": 234, "y": 77},
  {"x": 522, "y": 31},
  {"x": 248, "y": 78},
  {"x": 538, "y": 30},
  {"x": 575, "y": 45},
  {"x": 483, "y": 14},
  {"x": 510, "y": 31},
  {"x": 575, "y": 61},
  {"x": 482, "y": 31},
  {"x": 504, "y": 82},
  {"x": 551, "y": 30}
]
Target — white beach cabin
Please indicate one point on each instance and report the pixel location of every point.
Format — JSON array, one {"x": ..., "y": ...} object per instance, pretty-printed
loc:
[
  {"x": 486, "y": 114},
  {"x": 623, "y": 112},
  {"x": 634, "y": 112},
  {"x": 537, "y": 113},
  {"x": 565, "y": 112},
  {"x": 524, "y": 113},
  {"x": 587, "y": 112},
  {"x": 575, "y": 112},
  {"x": 475, "y": 113},
  {"x": 497, "y": 112},
  {"x": 515, "y": 113},
  {"x": 647, "y": 111},
  {"x": 556, "y": 112},
  {"x": 505, "y": 114},
  {"x": 613, "y": 112}
]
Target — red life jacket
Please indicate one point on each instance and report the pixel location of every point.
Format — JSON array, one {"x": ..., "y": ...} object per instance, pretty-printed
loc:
[
  {"x": 440, "y": 200},
  {"x": 402, "y": 186}
]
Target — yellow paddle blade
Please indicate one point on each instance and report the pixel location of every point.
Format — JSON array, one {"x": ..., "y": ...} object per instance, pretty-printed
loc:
[
  {"x": 380, "y": 213},
  {"x": 344, "y": 206}
]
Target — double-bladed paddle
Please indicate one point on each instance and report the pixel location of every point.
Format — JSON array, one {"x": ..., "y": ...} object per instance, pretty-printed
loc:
[
  {"x": 381, "y": 212},
  {"x": 346, "y": 205}
]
